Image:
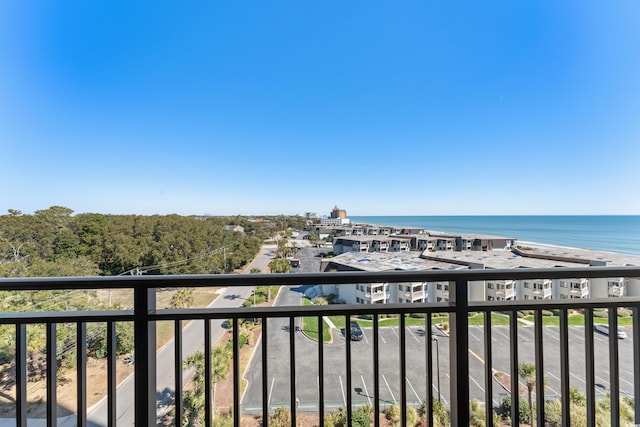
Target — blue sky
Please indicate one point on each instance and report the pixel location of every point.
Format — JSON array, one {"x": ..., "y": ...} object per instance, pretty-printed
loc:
[{"x": 268, "y": 107}]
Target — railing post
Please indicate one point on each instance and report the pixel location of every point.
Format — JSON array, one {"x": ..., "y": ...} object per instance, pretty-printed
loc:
[
  {"x": 459, "y": 355},
  {"x": 145, "y": 354}
]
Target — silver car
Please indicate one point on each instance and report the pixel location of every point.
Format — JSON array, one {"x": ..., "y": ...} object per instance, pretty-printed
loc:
[{"x": 604, "y": 329}]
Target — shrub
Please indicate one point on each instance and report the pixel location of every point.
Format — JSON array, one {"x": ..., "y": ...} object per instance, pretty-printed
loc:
[
  {"x": 553, "y": 413},
  {"x": 505, "y": 409},
  {"x": 548, "y": 313},
  {"x": 281, "y": 417},
  {"x": 600, "y": 312},
  {"x": 418, "y": 315},
  {"x": 624, "y": 312},
  {"x": 362, "y": 416},
  {"x": 392, "y": 413}
]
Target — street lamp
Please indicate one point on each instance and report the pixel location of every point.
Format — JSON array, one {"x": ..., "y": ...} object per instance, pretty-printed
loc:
[{"x": 434, "y": 339}]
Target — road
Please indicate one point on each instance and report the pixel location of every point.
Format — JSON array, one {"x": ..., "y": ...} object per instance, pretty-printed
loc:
[{"x": 193, "y": 340}]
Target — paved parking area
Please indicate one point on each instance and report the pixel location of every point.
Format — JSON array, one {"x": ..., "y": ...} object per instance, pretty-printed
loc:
[{"x": 335, "y": 379}]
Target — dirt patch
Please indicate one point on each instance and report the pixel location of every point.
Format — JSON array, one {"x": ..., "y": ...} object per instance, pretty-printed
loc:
[{"x": 66, "y": 389}]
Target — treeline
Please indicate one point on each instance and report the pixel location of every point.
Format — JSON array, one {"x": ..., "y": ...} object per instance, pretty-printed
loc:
[{"x": 54, "y": 242}]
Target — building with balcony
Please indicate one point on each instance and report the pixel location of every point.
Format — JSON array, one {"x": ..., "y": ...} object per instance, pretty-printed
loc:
[{"x": 502, "y": 290}]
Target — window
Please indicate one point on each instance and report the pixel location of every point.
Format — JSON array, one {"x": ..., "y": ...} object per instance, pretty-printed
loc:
[
  {"x": 490, "y": 286},
  {"x": 563, "y": 284},
  {"x": 526, "y": 285},
  {"x": 489, "y": 298},
  {"x": 438, "y": 299}
]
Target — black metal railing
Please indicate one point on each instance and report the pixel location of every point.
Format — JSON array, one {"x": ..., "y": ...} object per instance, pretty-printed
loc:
[{"x": 144, "y": 315}]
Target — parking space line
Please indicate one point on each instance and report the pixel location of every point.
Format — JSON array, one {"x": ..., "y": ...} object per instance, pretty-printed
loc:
[
  {"x": 441, "y": 396},
  {"x": 414, "y": 390},
  {"x": 344, "y": 398},
  {"x": 473, "y": 335},
  {"x": 476, "y": 383},
  {"x": 365, "y": 337},
  {"x": 498, "y": 331},
  {"x": 389, "y": 388},
  {"x": 270, "y": 392},
  {"x": 394, "y": 331},
  {"x": 381, "y": 335},
  {"x": 413, "y": 335},
  {"x": 364, "y": 387}
]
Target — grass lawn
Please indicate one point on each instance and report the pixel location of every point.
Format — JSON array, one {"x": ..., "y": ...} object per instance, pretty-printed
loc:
[
  {"x": 578, "y": 320},
  {"x": 309, "y": 325}
]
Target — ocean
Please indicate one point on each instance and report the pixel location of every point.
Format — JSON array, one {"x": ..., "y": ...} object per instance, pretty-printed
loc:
[{"x": 610, "y": 233}]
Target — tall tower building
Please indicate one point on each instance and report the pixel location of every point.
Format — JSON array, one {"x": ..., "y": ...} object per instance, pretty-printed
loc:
[{"x": 338, "y": 213}]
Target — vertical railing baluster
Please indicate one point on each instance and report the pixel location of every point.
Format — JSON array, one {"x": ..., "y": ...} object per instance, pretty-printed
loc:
[
  {"x": 513, "y": 347},
  {"x": 488, "y": 370},
  {"x": 292, "y": 367},
  {"x": 376, "y": 373},
  {"x": 459, "y": 355},
  {"x": 81, "y": 373},
  {"x": 145, "y": 352},
  {"x": 539, "y": 356},
  {"x": 564, "y": 367},
  {"x": 321, "y": 370},
  {"x": 21, "y": 375},
  {"x": 177, "y": 367},
  {"x": 209, "y": 404},
  {"x": 236, "y": 373},
  {"x": 636, "y": 363},
  {"x": 265, "y": 378},
  {"x": 614, "y": 369},
  {"x": 428, "y": 337},
  {"x": 52, "y": 371},
  {"x": 112, "y": 384},
  {"x": 347, "y": 331},
  {"x": 589, "y": 367},
  {"x": 403, "y": 370}
]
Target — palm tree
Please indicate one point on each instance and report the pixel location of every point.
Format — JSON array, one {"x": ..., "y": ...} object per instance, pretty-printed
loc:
[
  {"x": 527, "y": 372},
  {"x": 220, "y": 363},
  {"x": 182, "y": 298}
]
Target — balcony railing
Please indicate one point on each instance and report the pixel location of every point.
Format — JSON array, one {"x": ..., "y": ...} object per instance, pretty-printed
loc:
[{"x": 145, "y": 316}]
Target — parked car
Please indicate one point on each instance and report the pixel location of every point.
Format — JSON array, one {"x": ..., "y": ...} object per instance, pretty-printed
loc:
[
  {"x": 604, "y": 329},
  {"x": 356, "y": 332}
]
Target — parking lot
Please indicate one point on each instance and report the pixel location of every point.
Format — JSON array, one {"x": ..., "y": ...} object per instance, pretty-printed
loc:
[{"x": 335, "y": 380}]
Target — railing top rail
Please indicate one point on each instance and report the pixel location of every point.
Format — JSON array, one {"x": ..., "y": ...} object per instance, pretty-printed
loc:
[{"x": 220, "y": 280}]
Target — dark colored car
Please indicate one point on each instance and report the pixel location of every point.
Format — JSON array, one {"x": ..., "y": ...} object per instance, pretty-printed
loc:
[{"x": 356, "y": 332}]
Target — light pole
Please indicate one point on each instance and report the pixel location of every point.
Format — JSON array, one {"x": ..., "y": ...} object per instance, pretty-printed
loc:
[{"x": 434, "y": 339}]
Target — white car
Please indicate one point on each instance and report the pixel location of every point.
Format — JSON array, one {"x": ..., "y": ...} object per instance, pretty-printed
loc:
[{"x": 604, "y": 329}]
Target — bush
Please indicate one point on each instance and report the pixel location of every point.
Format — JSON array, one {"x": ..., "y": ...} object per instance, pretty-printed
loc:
[
  {"x": 362, "y": 416},
  {"x": 97, "y": 339},
  {"x": 281, "y": 418},
  {"x": 624, "y": 312},
  {"x": 553, "y": 413},
  {"x": 418, "y": 315},
  {"x": 505, "y": 409},
  {"x": 600, "y": 312},
  {"x": 547, "y": 313}
]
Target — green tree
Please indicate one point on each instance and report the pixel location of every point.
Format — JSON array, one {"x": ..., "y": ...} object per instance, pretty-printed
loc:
[
  {"x": 527, "y": 371},
  {"x": 220, "y": 363},
  {"x": 182, "y": 298},
  {"x": 280, "y": 265}
]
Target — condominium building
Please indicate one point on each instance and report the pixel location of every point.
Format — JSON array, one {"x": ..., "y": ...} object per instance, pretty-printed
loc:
[{"x": 495, "y": 290}]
